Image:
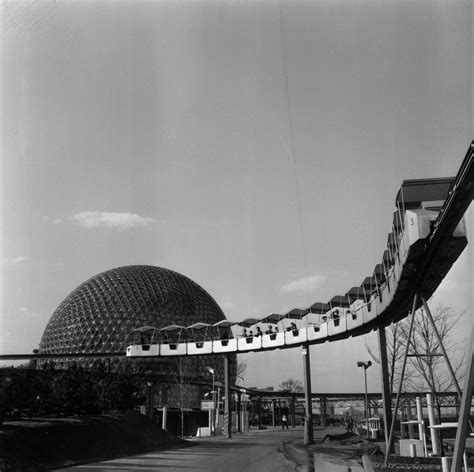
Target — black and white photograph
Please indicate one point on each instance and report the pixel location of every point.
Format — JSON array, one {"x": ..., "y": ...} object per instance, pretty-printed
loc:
[{"x": 236, "y": 236}]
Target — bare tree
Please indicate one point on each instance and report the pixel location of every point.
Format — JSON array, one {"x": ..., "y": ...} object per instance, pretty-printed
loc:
[
  {"x": 240, "y": 370},
  {"x": 429, "y": 363},
  {"x": 427, "y": 369},
  {"x": 181, "y": 391},
  {"x": 291, "y": 385},
  {"x": 396, "y": 337}
]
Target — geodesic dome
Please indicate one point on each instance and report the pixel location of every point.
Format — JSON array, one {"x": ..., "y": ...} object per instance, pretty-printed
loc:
[{"x": 100, "y": 315}]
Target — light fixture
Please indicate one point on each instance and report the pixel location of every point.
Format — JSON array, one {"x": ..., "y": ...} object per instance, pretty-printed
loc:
[{"x": 365, "y": 366}]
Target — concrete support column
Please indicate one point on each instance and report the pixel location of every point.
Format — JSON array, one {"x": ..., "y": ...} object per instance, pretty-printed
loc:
[
  {"x": 164, "y": 420},
  {"x": 293, "y": 411},
  {"x": 308, "y": 423},
  {"x": 421, "y": 426},
  {"x": 411, "y": 433},
  {"x": 228, "y": 400},
  {"x": 386, "y": 393},
  {"x": 238, "y": 414},
  {"x": 273, "y": 413},
  {"x": 431, "y": 417},
  {"x": 259, "y": 410},
  {"x": 322, "y": 408},
  {"x": 402, "y": 426}
]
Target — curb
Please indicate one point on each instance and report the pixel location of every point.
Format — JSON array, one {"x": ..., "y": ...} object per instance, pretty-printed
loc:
[{"x": 367, "y": 463}]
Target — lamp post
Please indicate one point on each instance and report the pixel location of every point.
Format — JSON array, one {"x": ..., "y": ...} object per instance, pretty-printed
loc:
[
  {"x": 212, "y": 425},
  {"x": 150, "y": 399},
  {"x": 365, "y": 366}
]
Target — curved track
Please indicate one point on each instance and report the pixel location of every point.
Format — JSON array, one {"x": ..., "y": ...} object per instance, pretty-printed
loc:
[{"x": 427, "y": 236}]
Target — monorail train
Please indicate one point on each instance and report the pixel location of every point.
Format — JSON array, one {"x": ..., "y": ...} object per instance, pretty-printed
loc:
[{"x": 383, "y": 297}]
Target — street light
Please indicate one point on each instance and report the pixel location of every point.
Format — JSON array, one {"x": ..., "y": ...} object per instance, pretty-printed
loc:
[
  {"x": 212, "y": 371},
  {"x": 365, "y": 366},
  {"x": 218, "y": 403},
  {"x": 150, "y": 399}
]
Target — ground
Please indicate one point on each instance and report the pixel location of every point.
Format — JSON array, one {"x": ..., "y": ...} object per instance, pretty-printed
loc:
[
  {"x": 133, "y": 443},
  {"x": 44, "y": 443},
  {"x": 269, "y": 450}
]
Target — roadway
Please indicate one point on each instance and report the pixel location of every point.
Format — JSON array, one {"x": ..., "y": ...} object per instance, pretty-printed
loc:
[{"x": 269, "y": 450}]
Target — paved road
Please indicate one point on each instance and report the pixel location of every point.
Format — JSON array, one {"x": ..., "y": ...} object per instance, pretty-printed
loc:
[{"x": 270, "y": 450}]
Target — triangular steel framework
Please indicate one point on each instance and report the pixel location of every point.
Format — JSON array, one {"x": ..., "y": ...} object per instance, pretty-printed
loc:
[
  {"x": 465, "y": 410},
  {"x": 464, "y": 420}
]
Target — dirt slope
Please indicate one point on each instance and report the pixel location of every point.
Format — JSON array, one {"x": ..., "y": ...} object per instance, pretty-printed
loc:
[{"x": 44, "y": 444}]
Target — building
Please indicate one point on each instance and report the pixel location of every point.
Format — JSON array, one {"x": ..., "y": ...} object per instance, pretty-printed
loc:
[{"x": 101, "y": 314}]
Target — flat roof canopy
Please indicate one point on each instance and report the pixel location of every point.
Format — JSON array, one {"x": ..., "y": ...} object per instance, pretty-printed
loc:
[
  {"x": 356, "y": 293},
  {"x": 199, "y": 326},
  {"x": 392, "y": 241},
  {"x": 144, "y": 329},
  {"x": 248, "y": 322},
  {"x": 273, "y": 318},
  {"x": 225, "y": 324},
  {"x": 413, "y": 192},
  {"x": 387, "y": 257},
  {"x": 397, "y": 220},
  {"x": 369, "y": 283},
  {"x": 173, "y": 328},
  {"x": 297, "y": 313},
  {"x": 379, "y": 272},
  {"x": 319, "y": 308},
  {"x": 340, "y": 300}
]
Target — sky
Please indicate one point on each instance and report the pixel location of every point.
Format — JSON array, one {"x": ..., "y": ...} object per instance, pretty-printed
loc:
[{"x": 255, "y": 147}]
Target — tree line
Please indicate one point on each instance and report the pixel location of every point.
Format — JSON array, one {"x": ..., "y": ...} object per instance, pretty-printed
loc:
[
  {"x": 426, "y": 368},
  {"x": 75, "y": 391}
]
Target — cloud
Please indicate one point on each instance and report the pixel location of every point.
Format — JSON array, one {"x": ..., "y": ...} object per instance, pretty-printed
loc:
[
  {"x": 97, "y": 219},
  {"x": 305, "y": 284},
  {"x": 27, "y": 312},
  {"x": 13, "y": 261}
]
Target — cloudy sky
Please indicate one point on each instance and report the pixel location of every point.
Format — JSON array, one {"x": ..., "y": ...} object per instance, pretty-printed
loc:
[{"x": 256, "y": 147}]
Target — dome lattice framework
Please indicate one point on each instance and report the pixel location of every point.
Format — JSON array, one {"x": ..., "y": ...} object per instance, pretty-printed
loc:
[{"x": 100, "y": 315}]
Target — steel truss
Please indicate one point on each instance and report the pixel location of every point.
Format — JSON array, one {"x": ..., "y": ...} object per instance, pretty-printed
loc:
[{"x": 464, "y": 420}]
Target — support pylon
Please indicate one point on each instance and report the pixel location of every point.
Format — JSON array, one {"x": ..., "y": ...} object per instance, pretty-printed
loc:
[
  {"x": 461, "y": 433},
  {"x": 228, "y": 400},
  {"x": 386, "y": 394},
  {"x": 308, "y": 424},
  {"x": 400, "y": 386}
]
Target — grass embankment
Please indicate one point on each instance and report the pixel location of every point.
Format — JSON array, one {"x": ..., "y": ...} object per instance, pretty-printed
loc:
[{"x": 46, "y": 443}]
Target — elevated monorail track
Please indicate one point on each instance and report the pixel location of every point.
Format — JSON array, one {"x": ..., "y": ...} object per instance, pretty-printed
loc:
[
  {"x": 62, "y": 355},
  {"x": 427, "y": 237}
]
